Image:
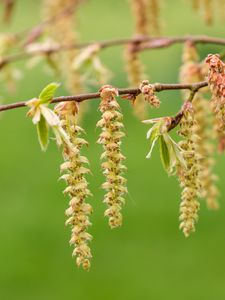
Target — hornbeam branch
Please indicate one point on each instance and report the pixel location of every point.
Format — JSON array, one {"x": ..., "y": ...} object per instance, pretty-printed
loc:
[
  {"x": 142, "y": 43},
  {"x": 158, "y": 87}
]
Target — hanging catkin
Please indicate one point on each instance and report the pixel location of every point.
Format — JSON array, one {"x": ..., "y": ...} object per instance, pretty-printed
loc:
[
  {"x": 113, "y": 168},
  {"x": 75, "y": 169}
]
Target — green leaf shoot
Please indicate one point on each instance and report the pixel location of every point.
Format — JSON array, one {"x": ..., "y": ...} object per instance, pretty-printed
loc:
[
  {"x": 42, "y": 131},
  {"x": 164, "y": 153},
  {"x": 48, "y": 92}
]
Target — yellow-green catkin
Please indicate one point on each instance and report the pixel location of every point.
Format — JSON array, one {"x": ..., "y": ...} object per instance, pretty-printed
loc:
[
  {"x": 140, "y": 12},
  {"x": 133, "y": 65},
  {"x": 146, "y": 16},
  {"x": 196, "y": 4},
  {"x": 135, "y": 74},
  {"x": 9, "y": 74},
  {"x": 154, "y": 16},
  {"x": 113, "y": 168},
  {"x": 189, "y": 175},
  {"x": 205, "y": 148},
  {"x": 208, "y": 10},
  {"x": 191, "y": 72},
  {"x": 74, "y": 169},
  {"x": 63, "y": 31}
]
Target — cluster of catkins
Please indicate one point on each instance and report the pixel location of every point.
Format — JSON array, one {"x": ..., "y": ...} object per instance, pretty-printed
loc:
[
  {"x": 63, "y": 122},
  {"x": 193, "y": 70},
  {"x": 193, "y": 156},
  {"x": 209, "y": 8},
  {"x": 75, "y": 168},
  {"x": 197, "y": 179}
]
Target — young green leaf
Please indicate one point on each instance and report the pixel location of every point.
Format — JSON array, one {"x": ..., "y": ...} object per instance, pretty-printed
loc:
[
  {"x": 42, "y": 131},
  {"x": 177, "y": 152},
  {"x": 152, "y": 146},
  {"x": 164, "y": 153},
  {"x": 153, "y": 135},
  {"x": 47, "y": 93}
]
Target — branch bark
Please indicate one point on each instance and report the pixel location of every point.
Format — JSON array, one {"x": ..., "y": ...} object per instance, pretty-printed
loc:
[
  {"x": 143, "y": 43},
  {"x": 158, "y": 87}
]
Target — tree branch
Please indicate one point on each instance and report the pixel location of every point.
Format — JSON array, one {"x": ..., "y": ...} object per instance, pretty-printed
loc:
[
  {"x": 143, "y": 43},
  {"x": 158, "y": 87}
]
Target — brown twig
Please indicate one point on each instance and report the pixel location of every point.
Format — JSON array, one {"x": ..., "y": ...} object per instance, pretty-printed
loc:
[
  {"x": 143, "y": 43},
  {"x": 176, "y": 120},
  {"x": 158, "y": 87}
]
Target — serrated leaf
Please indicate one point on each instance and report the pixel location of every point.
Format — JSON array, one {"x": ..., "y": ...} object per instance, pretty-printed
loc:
[
  {"x": 42, "y": 131},
  {"x": 164, "y": 153},
  {"x": 48, "y": 92}
]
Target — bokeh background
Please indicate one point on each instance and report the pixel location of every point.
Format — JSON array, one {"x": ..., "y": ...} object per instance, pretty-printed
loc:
[{"x": 148, "y": 258}]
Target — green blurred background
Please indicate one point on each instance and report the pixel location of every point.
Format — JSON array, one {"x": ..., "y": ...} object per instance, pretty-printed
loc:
[{"x": 148, "y": 258}]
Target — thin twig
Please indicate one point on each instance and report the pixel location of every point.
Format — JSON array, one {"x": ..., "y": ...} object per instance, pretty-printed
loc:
[
  {"x": 158, "y": 87},
  {"x": 177, "y": 118},
  {"x": 143, "y": 43}
]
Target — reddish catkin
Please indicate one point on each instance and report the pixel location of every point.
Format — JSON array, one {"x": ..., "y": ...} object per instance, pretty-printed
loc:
[
  {"x": 191, "y": 71},
  {"x": 149, "y": 94},
  {"x": 216, "y": 79},
  {"x": 113, "y": 168}
]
